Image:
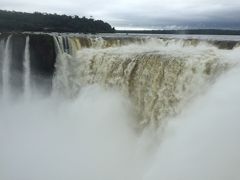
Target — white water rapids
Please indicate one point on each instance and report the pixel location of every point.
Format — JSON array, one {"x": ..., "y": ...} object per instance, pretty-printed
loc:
[{"x": 93, "y": 136}]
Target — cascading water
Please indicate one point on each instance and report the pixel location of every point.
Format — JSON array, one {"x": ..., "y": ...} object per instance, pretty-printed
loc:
[
  {"x": 105, "y": 87},
  {"x": 159, "y": 76},
  {"x": 27, "y": 72},
  {"x": 1, "y": 62},
  {"x": 6, "y": 69}
]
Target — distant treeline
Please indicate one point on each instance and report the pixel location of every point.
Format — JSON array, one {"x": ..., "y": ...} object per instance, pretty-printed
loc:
[
  {"x": 189, "y": 31},
  {"x": 21, "y": 21}
]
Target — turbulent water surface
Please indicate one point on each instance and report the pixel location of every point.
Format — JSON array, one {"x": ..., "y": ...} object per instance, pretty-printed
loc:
[{"x": 119, "y": 108}]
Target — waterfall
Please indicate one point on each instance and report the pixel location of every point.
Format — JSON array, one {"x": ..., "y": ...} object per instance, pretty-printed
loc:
[
  {"x": 159, "y": 76},
  {"x": 27, "y": 70},
  {"x": 62, "y": 66},
  {"x": 2, "y": 47},
  {"x": 121, "y": 108},
  {"x": 6, "y": 69}
]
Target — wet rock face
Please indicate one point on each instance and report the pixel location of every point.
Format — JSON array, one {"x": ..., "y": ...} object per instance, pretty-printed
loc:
[
  {"x": 17, "y": 46},
  {"x": 42, "y": 54},
  {"x": 42, "y": 57},
  {"x": 42, "y": 61}
]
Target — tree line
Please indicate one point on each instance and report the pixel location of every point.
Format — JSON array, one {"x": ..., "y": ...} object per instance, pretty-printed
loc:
[{"x": 12, "y": 21}]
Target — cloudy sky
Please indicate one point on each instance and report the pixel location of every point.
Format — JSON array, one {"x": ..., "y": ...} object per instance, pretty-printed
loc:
[{"x": 138, "y": 14}]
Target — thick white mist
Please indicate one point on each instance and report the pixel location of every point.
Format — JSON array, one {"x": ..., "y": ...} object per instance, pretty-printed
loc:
[
  {"x": 90, "y": 137},
  {"x": 93, "y": 137},
  {"x": 203, "y": 142}
]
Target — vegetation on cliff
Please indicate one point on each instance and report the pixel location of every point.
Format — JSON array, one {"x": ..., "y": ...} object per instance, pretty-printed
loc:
[{"x": 21, "y": 21}]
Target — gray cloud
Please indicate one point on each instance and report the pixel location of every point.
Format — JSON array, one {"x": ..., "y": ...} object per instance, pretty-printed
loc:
[{"x": 142, "y": 13}]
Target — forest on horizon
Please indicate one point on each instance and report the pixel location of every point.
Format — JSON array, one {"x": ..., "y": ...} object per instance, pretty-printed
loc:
[{"x": 12, "y": 21}]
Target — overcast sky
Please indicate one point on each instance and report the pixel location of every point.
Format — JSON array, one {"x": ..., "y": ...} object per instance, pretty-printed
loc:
[{"x": 148, "y": 14}]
